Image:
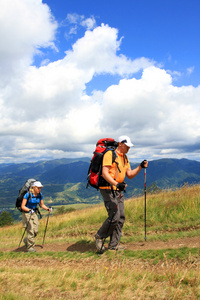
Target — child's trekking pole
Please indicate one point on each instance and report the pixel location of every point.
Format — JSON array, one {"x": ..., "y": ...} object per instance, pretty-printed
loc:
[
  {"x": 145, "y": 205},
  {"x": 22, "y": 237},
  {"x": 45, "y": 229},
  {"x": 25, "y": 231}
]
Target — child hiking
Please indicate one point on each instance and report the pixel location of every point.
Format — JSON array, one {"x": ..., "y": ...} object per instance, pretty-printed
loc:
[
  {"x": 114, "y": 173},
  {"x": 29, "y": 213}
]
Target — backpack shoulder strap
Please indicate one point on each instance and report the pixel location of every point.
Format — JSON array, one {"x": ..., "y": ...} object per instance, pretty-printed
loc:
[
  {"x": 114, "y": 156},
  {"x": 29, "y": 196},
  {"x": 126, "y": 157}
]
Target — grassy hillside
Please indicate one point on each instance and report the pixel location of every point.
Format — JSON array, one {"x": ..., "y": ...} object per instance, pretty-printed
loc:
[{"x": 77, "y": 272}]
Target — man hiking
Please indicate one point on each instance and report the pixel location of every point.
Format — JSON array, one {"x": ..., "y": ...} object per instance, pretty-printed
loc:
[{"x": 114, "y": 173}]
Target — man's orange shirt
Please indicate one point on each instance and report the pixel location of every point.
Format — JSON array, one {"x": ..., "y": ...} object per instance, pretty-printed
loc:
[{"x": 123, "y": 165}]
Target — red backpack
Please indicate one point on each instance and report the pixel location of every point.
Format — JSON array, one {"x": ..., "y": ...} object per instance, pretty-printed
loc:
[{"x": 94, "y": 177}]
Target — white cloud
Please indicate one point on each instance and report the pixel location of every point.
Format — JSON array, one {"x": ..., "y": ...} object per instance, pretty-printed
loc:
[
  {"x": 190, "y": 70},
  {"x": 76, "y": 21},
  {"x": 89, "y": 23},
  {"x": 97, "y": 50},
  {"x": 74, "y": 18},
  {"x": 25, "y": 26},
  {"x": 46, "y": 112},
  {"x": 152, "y": 111}
]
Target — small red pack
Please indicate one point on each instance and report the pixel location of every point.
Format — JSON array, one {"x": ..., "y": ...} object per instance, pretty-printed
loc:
[{"x": 94, "y": 177}]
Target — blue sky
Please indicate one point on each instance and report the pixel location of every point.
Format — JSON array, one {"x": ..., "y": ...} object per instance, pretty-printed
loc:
[
  {"x": 72, "y": 72},
  {"x": 164, "y": 31}
]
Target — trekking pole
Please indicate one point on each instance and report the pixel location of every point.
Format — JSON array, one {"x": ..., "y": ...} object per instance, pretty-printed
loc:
[
  {"x": 145, "y": 205},
  {"x": 45, "y": 229},
  {"x": 24, "y": 231}
]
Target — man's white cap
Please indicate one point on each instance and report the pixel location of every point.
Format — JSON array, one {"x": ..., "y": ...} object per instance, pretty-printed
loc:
[
  {"x": 126, "y": 140},
  {"x": 38, "y": 184}
]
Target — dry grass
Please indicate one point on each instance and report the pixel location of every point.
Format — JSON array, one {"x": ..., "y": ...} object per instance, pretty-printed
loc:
[
  {"x": 102, "y": 278},
  {"x": 163, "y": 274}
]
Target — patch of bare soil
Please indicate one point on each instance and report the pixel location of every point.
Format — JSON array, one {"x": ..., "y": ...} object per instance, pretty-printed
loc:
[{"x": 190, "y": 242}]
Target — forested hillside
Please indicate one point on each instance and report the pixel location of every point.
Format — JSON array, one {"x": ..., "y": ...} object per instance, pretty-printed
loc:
[{"x": 65, "y": 179}]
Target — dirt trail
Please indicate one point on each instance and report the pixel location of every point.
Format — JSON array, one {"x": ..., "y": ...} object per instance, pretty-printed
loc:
[{"x": 192, "y": 242}]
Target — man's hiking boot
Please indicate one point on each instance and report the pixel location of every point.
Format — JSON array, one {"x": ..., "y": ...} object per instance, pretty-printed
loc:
[
  {"x": 31, "y": 250},
  {"x": 25, "y": 241},
  {"x": 117, "y": 248},
  {"x": 99, "y": 242}
]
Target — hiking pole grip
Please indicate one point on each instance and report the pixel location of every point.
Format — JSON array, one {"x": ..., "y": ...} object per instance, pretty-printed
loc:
[{"x": 145, "y": 205}]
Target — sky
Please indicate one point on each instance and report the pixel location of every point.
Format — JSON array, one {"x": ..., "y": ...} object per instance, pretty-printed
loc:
[{"x": 73, "y": 72}]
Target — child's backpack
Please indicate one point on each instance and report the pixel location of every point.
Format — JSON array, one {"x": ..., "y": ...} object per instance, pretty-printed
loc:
[
  {"x": 28, "y": 184},
  {"x": 94, "y": 177}
]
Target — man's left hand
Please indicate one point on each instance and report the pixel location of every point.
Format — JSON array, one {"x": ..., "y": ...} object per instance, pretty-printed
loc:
[{"x": 144, "y": 164}]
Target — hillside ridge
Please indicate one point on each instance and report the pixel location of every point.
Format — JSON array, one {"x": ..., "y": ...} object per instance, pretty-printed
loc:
[{"x": 60, "y": 175}]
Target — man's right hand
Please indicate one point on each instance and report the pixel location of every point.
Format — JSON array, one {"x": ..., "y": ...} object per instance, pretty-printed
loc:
[
  {"x": 121, "y": 186},
  {"x": 31, "y": 211}
]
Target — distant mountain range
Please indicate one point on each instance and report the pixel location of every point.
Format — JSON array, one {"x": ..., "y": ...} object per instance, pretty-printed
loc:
[{"x": 65, "y": 180}]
